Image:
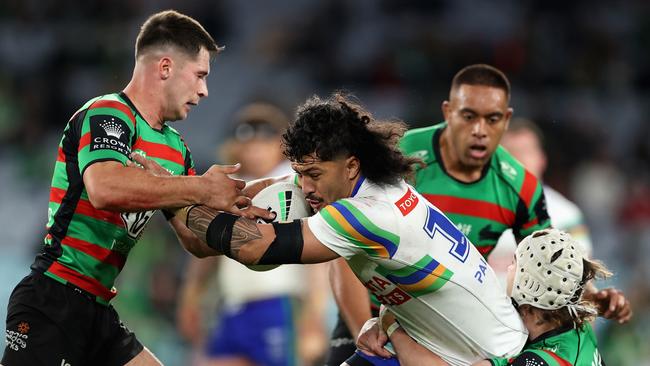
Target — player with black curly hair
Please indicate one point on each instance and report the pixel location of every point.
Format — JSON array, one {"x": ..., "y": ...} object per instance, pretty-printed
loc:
[{"x": 404, "y": 250}]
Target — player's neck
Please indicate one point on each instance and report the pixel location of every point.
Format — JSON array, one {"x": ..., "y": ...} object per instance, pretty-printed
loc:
[
  {"x": 146, "y": 101},
  {"x": 536, "y": 327},
  {"x": 452, "y": 163}
]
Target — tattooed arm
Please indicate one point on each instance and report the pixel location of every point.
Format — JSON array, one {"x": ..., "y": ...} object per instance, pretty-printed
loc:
[{"x": 250, "y": 241}]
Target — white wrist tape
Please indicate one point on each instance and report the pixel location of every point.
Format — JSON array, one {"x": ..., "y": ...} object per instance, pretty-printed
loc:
[{"x": 392, "y": 328}]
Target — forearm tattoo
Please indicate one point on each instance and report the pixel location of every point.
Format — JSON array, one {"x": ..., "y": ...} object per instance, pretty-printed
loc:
[
  {"x": 199, "y": 219},
  {"x": 244, "y": 231}
]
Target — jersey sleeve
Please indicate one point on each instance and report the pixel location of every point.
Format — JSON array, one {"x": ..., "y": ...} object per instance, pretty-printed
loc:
[
  {"x": 107, "y": 133},
  {"x": 532, "y": 357},
  {"x": 356, "y": 226},
  {"x": 531, "y": 214}
]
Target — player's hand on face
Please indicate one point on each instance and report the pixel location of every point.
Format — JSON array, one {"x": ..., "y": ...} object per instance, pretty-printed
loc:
[
  {"x": 372, "y": 338},
  {"x": 224, "y": 193},
  {"x": 147, "y": 164},
  {"x": 612, "y": 304}
]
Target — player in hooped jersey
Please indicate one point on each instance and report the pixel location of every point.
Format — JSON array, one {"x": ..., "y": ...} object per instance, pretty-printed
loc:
[
  {"x": 404, "y": 250},
  {"x": 99, "y": 204}
]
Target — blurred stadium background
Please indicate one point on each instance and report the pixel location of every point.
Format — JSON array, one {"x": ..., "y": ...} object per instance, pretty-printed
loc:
[{"x": 581, "y": 69}]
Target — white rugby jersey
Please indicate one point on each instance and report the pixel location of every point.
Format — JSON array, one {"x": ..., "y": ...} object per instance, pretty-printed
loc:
[{"x": 416, "y": 262}]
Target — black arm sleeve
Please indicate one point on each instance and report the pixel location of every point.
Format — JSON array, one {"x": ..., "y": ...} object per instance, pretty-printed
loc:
[{"x": 287, "y": 246}]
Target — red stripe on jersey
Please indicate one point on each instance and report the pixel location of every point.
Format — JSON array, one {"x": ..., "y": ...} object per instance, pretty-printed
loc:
[
  {"x": 82, "y": 281},
  {"x": 160, "y": 151},
  {"x": 485, "y": 249},
  {"x": 60, "y": 156},
  {"x": 84, "y": 141},
  {"x": 530, "y": 224},
  {"x": 84, "y": 207},
  {"x": 528, "y": 188},
  {"x": 470, "y": 207},
  {"x": 115, "y": 105},
  {"x": 191, "y": 171},
  {"x": 100, "y": 253},
  {"x": 558, "y": 359}
]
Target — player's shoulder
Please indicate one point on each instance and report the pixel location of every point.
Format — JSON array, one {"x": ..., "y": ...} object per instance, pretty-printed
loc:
[
  {"x": 110, "y": 104},
  {"x": 510, "y": 170},
  {"x": 418, "y": 142},
  {"x": 372, "y": 210}
]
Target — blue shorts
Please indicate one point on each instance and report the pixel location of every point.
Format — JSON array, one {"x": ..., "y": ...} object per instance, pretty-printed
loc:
[
  {"x": 262, "y": 331},
  {"x": 361, "y": 359}
]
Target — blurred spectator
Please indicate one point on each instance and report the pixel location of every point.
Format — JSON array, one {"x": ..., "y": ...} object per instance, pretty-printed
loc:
[
  {"x": 524, "y": 140},
  {"x": 259, "y": 322}
]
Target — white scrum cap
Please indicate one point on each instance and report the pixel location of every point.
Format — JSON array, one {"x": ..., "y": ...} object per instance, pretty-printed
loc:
[{"x": 549, "y": 270}]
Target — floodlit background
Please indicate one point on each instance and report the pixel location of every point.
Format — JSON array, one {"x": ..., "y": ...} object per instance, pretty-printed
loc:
[{"x": 581, "y": 69}]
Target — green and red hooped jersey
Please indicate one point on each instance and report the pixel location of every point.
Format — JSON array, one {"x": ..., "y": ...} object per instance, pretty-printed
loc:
[
  {"x": 506, "y": 195},
  {"x": 86, "y": 246},
  {"x": 561, "y": 347}
]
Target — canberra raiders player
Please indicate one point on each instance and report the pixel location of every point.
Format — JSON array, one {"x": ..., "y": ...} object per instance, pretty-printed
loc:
[
  {"x": 467, "y": 175},
  {"x": 400, "y": 246},
  {"x": 60, "y": 313}
]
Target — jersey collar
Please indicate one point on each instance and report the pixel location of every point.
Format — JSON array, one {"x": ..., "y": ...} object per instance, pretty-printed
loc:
[{"x": 357, "y": 186}]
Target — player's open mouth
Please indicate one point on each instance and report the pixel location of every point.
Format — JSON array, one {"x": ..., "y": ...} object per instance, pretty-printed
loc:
[
  {"x": 314, "y": 203},
  {"x": 478, "y": 151}
]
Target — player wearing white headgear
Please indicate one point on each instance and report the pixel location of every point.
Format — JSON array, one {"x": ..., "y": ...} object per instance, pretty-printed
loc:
[{"x": 546, "y": 282}]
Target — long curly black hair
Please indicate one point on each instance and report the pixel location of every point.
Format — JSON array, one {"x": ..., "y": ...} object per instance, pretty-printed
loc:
[{"x": 338, "y": 127}]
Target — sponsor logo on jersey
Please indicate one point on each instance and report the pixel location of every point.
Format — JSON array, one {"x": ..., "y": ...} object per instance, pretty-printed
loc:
[
  {"x": 144, "y": 155},
  {"x": 386, "y": 292},
  {"x": 407, "y": 203},
  {"x": 109, "y": 133},
  {"x": 17, "y": 339},
  {"x": 420, "y": 154},
  {"x": 508, "y": 170}
]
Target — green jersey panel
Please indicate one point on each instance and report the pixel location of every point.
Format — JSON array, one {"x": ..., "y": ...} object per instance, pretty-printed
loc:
[
  {"x": 506, "y": 195},
  {"x": 561, "y": 347},
  {"x": 86, "y": 246}
]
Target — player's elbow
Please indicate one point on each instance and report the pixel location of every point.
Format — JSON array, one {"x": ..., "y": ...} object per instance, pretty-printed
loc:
[{"x": 101, "y": 199}]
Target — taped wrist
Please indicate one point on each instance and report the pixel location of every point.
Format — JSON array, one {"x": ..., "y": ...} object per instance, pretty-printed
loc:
[
  {"x": 219, "y": 233},
  {"x": 287, "y": 246}
]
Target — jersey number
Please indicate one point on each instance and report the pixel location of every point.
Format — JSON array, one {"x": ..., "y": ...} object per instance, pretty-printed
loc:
[{"x": 439, "y": 228}]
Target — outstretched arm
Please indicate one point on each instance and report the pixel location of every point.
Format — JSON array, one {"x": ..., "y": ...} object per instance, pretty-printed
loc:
[{"x": 251, "y": 243}]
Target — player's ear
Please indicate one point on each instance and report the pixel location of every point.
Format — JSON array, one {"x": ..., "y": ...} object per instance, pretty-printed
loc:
[
  {"x": 164, "y": 67},
  {"x": 445, "y": 110},
  {"x": 508, "y": 116},
  {"x": 353, "y": 167}
]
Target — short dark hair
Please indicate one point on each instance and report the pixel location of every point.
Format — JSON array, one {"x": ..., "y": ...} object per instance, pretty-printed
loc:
[
  {"x": 337, "y": 127},
  {"x": 171, "y": 28},
  {"x": 482, "y": 74}
]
